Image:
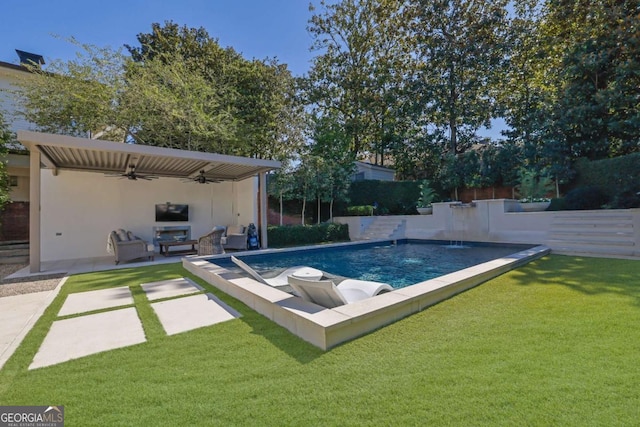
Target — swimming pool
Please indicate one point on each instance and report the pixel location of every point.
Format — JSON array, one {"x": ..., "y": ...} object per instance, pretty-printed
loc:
[{"x": 402, "y": 264}]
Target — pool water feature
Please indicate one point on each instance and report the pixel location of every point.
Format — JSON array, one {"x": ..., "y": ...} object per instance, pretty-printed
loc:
[{"x": 402, "y": 264}]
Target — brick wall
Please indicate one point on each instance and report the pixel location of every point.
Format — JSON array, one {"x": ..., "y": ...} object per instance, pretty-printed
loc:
[{"x": 14, "y": 222}]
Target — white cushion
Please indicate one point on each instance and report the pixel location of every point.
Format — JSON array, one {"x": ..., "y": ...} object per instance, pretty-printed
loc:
[{"x": 235, "y": 229}]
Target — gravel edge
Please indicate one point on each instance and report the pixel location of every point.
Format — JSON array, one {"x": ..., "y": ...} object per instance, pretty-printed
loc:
[{"x": 25, "y": 285}]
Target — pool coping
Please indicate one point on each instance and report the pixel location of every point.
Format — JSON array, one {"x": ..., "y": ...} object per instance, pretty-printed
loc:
[{"x": 326, "y": 328}]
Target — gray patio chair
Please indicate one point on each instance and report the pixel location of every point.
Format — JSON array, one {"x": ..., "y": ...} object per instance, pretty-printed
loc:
[
  {"x": 126, "y": 246},
  {"x": 211, "y": 243},
  {"x": 235, "y": 237}
]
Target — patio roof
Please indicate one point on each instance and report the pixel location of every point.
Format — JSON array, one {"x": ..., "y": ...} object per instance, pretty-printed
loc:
[{"x": 60, "y": 152}]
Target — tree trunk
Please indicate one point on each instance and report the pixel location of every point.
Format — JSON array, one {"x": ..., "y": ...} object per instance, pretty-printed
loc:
[
  {"x": 304, "y": 206},
  {"x": 319, "y": 210},
  {"x": 281, "y": 208},
  {"x": 331, "y": 211}
]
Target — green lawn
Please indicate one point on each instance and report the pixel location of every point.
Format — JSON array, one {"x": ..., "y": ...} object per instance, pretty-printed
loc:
[{"x": 554, "y": 343}]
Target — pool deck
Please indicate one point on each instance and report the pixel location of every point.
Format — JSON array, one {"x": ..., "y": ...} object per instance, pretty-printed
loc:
[{"x": 327, "y": 328}]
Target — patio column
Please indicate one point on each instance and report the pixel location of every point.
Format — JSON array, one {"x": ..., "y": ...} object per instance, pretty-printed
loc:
[
  {"x": 34, "y": 211},
  {"x": 263, "y": 209}
]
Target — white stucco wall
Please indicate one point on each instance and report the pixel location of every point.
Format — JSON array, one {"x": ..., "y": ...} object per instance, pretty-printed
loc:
[
  {"x": 18, "y": 166},
  {"x": 79, "y": 209}
]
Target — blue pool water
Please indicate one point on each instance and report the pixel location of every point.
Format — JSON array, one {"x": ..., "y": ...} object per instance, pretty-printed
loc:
[{"x": 399, "y": 265}]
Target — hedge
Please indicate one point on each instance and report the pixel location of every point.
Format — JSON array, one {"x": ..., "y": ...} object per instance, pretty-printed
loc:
[
  {"x": 618, "y": 177},
  {"x": 294, "y": 235},
  {"x": 392, "y": 197},
  {"x": 366, "y": 210}
]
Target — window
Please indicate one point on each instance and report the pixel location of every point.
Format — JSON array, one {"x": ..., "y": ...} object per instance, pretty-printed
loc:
[{"x": 13, "y": 181}]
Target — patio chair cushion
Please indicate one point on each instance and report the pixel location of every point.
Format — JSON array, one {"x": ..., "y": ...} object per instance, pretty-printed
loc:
[
  {"x": 122, "y": 235},
  {"x": 235, "y": 229}
]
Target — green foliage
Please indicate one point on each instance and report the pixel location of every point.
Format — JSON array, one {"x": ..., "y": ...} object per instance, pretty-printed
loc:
[
  {"x": 427, "y": 195},
  {"x": 359, "y": 76},
  {"x": 534, "y": 186},
  {"x": 618, "y": 177},
  {"x": 557, "y": 204},
  {"x": 366, "y": 210},
  {"x": 584, "y": 198},
  {"x": 5, "y": 138},
  {"x": 179, "y": 89},
  {"x": 79, "y": 97},
  {"x": 392, "y": 197},
  {"x": 295, "y": 235},
  {"x": 461, "y": 48}
]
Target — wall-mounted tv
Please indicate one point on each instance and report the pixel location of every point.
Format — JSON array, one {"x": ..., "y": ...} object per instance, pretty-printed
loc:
[{"x": 169, "y": 212}]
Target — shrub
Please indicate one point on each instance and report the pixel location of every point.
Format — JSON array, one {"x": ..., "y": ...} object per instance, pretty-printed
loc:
[
  {"x": 534, "y": 186},
  {"x": 294, "y": 235},
  {"x": 365, "y": 210},
  {"x": 393, "y": 197},
  {"x": 557, "y": 205},
  {"x": 588, "y": 197},
  {"x": 619, "y": 176}
]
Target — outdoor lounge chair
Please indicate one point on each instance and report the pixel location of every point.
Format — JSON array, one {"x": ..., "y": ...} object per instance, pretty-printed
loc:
[
  {"x": 280, "y": 281},
  {"x": 327, "y": 294},
  {"x": 211, "y": 243},
  {"x": 126, "y": 246},
  {"x": 235, "y": 237},
  {"x": 350, "y": 289}
]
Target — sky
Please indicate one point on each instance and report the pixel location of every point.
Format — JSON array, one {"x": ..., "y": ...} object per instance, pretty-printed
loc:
[{"x": 255, "y": 28}]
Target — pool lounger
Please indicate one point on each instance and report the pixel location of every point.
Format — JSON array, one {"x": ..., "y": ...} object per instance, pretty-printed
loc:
[
  {"x": 351, "y": 290},
  {"x": 327, "y": 294},
  {"x": 277, "y": 282}
]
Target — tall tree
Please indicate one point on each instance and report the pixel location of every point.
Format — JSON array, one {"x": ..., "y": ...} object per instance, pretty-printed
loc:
[
  {"x": 594, "y": 47},
  {"x": 460, "y": 48},
  {"x": 179, "y": 89},
  {"x": 330, "y": 143},
  {"x": 77, "y": 97},
  {"x": 358, "y": 76},
  {"x": 257, "y": 96},
  {"x": 282, "y": 186}
]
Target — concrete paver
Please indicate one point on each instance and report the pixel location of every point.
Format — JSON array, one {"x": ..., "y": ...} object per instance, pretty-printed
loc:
[
  {"x": 170, "y": 288},
  {"x": 83, "y": 302},
  {"x": 81, "y": 336},
  {"x": 192, "y": 312},
  {"x": 18, "y": 314}
]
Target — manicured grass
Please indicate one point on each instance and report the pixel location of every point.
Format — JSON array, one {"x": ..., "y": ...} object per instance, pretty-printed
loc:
[{"x": 554, "y": 343}]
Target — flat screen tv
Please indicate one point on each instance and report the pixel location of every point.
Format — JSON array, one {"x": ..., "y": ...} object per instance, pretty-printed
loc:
[{"x": 169, "y": 212}]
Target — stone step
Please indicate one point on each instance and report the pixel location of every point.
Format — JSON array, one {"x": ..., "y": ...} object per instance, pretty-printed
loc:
[
  {"x": 594, "y": 214},
  {"x": 611, "y": 234},
  {"x": 587, "y": 243},
  {"x": 15, "y": 258},
  {"x": 382, "y": 228},
  {"x": 598, "y": 251},
  {"x": 591, "y": 224},
  {"x": 14, "y": 252}
]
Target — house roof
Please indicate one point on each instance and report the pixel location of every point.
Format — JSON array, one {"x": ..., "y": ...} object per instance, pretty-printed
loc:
[
  {"x": 13, "y": 66},
  {"x": 61, "y": 152}
]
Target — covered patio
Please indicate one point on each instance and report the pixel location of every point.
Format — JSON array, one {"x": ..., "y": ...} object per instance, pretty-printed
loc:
[{"x": 81, "y": 189}]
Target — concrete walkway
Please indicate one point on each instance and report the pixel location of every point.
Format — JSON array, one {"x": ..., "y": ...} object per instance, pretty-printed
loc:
[
  {"x": 178, "y": 309},
  {"x": 18, "y": 314}
]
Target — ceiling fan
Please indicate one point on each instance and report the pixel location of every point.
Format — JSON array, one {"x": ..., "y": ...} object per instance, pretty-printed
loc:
[
  {"x": 201, "y": 179},
  {"x": 132, "y": 174}
]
